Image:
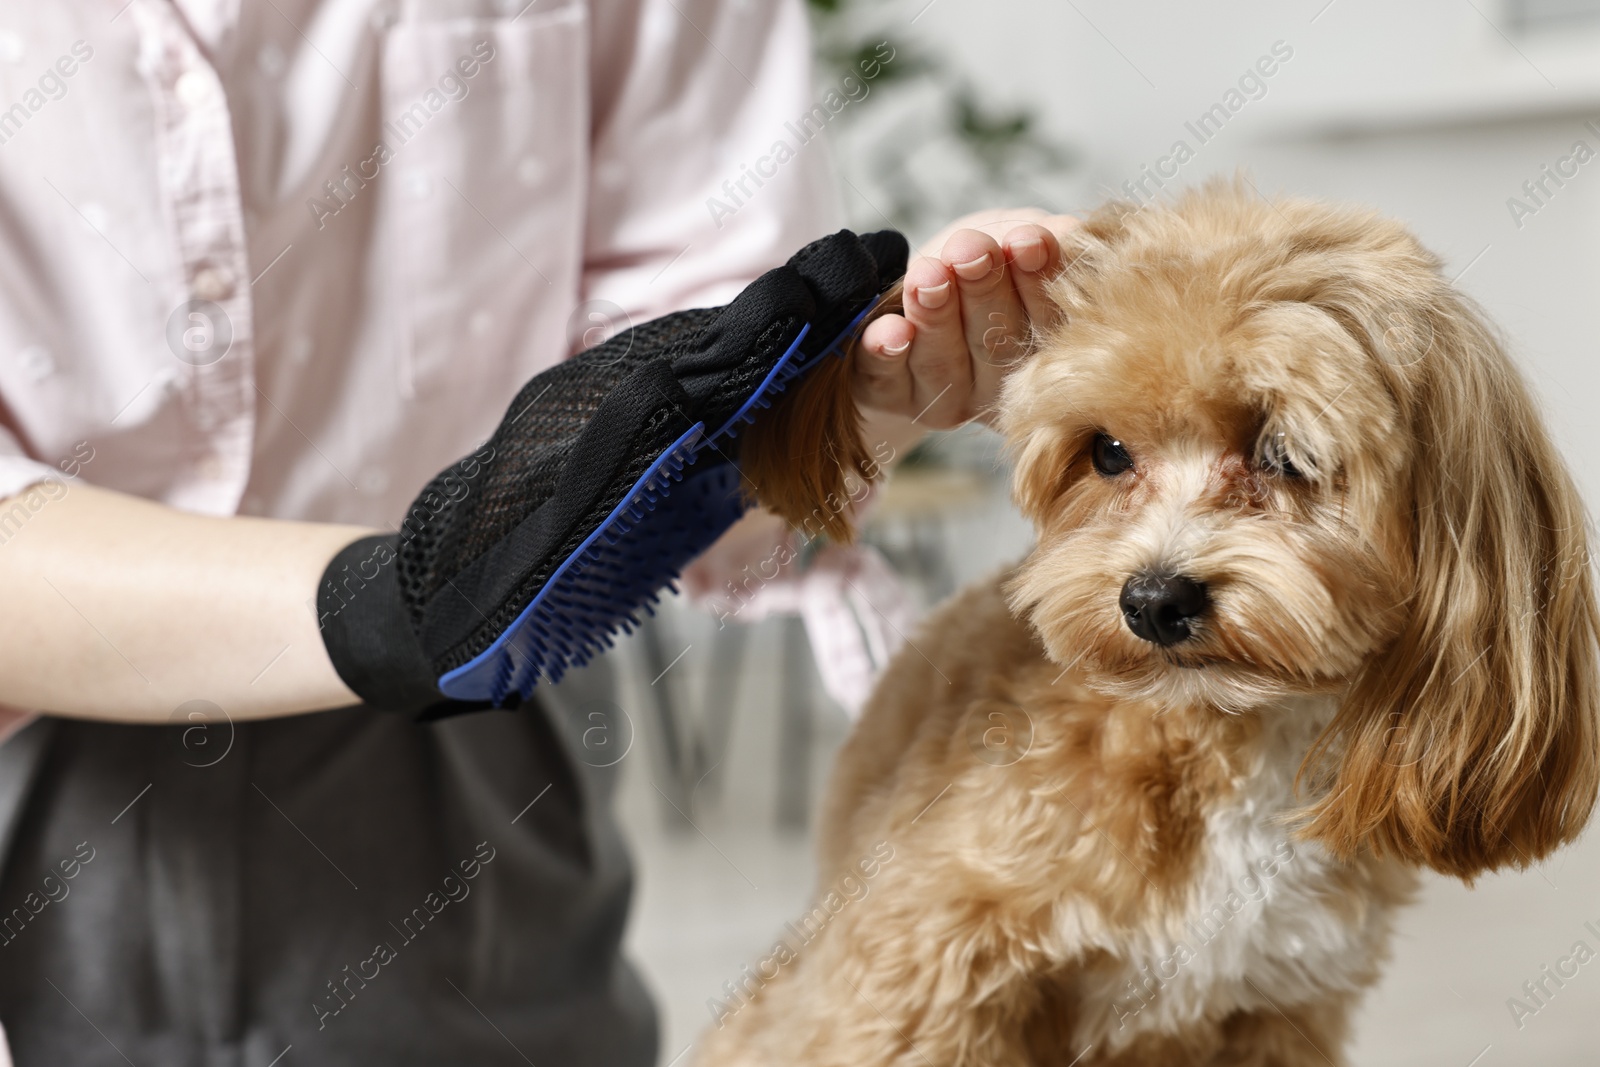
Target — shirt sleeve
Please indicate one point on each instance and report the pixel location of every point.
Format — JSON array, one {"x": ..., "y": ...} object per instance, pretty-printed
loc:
[
  {"x": 701, "y": 179},
  {"x": 18, "y": 472}
]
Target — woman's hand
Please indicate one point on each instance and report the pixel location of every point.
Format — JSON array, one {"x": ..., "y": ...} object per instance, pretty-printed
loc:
[{"x": 972, "y": 298}]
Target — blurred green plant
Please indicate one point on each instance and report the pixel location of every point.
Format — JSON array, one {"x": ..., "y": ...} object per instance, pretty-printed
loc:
[{"x": 949, "y": 149}]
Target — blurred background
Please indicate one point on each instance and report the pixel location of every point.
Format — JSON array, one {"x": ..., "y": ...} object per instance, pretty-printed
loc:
[{"x": 1434, "y": 111}]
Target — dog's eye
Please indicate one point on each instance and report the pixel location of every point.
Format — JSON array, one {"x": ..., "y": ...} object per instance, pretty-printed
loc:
[
  {"x": 1109, "y": 457},
  {"x": 1275, "y": 458}
]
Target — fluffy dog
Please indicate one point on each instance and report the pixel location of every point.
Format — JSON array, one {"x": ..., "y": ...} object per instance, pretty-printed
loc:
[{"x": 1309, "y": 609}]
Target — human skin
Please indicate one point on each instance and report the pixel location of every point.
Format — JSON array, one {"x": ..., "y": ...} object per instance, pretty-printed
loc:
[{"x": 971, "y": 295}]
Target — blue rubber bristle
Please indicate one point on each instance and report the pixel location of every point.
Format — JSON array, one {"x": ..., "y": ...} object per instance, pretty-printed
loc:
[{"x": 676, "y": 509}]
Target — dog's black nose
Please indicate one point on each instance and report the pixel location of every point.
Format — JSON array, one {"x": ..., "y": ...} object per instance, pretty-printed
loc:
[{"x": 1161, "y": 607}]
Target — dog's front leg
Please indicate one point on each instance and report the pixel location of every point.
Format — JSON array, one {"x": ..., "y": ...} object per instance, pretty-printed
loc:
[{"x": 900, "y": 978}]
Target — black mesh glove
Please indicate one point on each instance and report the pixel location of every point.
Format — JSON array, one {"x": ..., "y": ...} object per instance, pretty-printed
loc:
[{"x": 608, "y": 474}]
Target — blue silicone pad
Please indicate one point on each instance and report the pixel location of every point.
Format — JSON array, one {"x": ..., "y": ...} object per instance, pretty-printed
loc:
[{"x": 682, "y": 503}]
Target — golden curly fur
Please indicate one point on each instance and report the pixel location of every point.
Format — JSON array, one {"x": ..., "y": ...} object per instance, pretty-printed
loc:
[{"x": 1092, "y": 848}]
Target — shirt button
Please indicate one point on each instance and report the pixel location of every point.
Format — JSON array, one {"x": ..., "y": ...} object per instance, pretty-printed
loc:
[
  {"x": 213, "y": 283},
  {"x": 271, "y": 59},
  {"x": 374, "y": 481},
  {"x": 193, "y": 88},
  {"x": 213, "y": 468},
  {"x": 419, "y": 185},
  {"x": 529, "y": 171},
  {"x": 37, "y": 363}
]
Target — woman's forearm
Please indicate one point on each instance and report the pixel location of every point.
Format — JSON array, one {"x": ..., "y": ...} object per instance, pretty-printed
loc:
[{"x": 115, "y": 608}]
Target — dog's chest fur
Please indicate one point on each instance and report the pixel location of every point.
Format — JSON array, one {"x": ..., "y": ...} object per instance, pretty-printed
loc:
[{"x": 1267, "y": 920}]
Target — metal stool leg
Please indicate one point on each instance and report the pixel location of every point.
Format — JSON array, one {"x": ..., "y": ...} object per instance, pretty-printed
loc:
[
  {"x": 794, "y": 728},
  {"x": 722, "y": 691},
  {"x": 672, "y": 764}
]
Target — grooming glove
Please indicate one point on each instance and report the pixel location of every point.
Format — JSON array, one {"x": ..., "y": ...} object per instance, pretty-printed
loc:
[{"x": 607, "y": 475}]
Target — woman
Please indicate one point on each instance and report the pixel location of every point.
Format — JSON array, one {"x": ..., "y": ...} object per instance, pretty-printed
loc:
[{"x": 268, "y": 267}]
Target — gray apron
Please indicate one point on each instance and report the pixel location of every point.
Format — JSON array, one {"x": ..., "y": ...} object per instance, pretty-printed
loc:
[{"x": 338, "y": 888}]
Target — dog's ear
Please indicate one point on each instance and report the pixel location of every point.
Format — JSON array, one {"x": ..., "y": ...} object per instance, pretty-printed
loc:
[
  {"x": 799, "y": 457},
  {"x": 1469, "y": 743}
]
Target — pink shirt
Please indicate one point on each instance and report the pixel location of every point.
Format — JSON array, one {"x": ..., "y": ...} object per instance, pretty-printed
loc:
[{"x": 291, "y": 257}]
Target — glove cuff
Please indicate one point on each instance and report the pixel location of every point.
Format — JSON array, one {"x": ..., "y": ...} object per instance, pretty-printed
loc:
[{"x": 367, "y": 631}]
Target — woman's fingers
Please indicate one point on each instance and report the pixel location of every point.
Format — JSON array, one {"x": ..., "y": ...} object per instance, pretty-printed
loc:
[
  {"x": 939, "y": 361},
  {"x": 1034, "y": 254},
  {"x": 994, "y": 321},
  {"x": 882, "y": 374},
  {"x": 993, "y": 222},
  {"x": 969, "y": 315}
]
